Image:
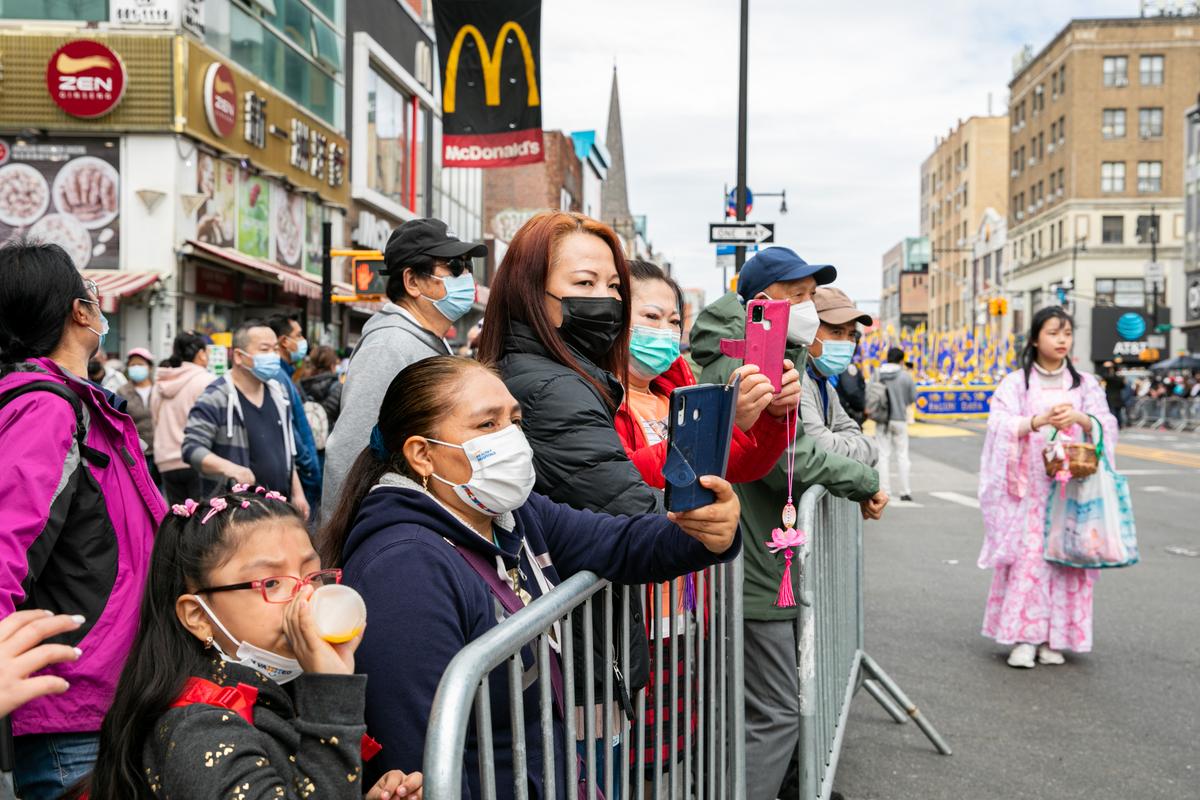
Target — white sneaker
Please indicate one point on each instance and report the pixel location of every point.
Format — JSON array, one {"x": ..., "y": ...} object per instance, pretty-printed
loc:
[
  {"x": 1022, "y": 656},
  {"x": 1047, "y": 656}
]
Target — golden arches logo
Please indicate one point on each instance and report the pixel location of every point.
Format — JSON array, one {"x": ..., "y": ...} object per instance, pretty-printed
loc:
[{"x": 491, "y": 65}]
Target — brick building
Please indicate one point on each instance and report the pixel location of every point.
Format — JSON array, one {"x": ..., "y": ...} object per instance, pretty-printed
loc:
[
  {"x": 1096, "y": 174},
  {"x": 963, "y": 178}
]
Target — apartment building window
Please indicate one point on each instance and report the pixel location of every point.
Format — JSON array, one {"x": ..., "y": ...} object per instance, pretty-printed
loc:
[
  {"x": 1116, "y": 71},
  {"x": 1062, "y": 174},
  {"x": 1062, "y": 129},
  {"x": 1150, "y": 123},
  {"x": 1126, "y": 292},
  {"x": 1053, "y": 178},
  {"x": 1149, "y": 176},
  {"x": 1146, "y": 225},
  {"x": 1060, "y": 233},
  {"x": 964, "y": 193},
  {"x": 1041, "y": 145},
  {"x": 1035, "y": 299},
  {"x": 78, "y": 11},
  {"x": 1039, "y": 98},
  {"x": 1150, "y": 70},
  {"x": 1112, "y": 230},
  {"x": 1021, "y": 159},
  {"x": 1112, "y": 176},
  {"x": 1112, "y": 123},
  {"x": 964, "y": 159}
]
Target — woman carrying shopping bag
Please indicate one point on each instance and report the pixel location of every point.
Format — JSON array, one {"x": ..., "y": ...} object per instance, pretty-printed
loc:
[{"x": 1038, "y": 607}]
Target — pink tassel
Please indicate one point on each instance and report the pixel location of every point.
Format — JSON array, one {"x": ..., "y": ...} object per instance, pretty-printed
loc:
[
  {"x": 689, "y": 592},
  {"x": 786, "y": 597}
]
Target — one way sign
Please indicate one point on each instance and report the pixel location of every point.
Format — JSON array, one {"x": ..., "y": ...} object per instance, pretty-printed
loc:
[{"x": 736, "y": 233}]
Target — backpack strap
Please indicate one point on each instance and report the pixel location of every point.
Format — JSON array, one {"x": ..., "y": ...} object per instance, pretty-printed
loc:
[{"x": 91, "y": 455}]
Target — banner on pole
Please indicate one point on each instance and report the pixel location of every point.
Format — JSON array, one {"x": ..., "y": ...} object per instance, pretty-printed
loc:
[{"x": 491, "y": 73}]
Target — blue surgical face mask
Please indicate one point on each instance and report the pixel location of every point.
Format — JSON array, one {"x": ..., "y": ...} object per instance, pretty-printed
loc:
[
  {"x": 103, "y": 323},
  {"x": 460, "y": 296},
  {"x": 835, "y": 358},
  {"x": 300, "y": 352},
  {"x": 652, "y": 351},
  {"x": 138, "y": 373},
  {"x": 266, "y": 365}
]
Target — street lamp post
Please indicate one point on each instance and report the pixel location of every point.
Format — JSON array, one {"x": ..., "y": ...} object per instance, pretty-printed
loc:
[
  {"x": 1079, "y": 245},
  {"x": 739, "y": 252}
]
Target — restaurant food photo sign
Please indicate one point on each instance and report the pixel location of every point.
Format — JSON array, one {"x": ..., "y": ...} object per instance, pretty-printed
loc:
[{"x": 65, "y": 191}]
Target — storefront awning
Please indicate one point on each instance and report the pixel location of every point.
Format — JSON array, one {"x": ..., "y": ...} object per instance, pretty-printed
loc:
[
  {"x": 114, "y": 284},
  {"x": 292, "y": 281}
]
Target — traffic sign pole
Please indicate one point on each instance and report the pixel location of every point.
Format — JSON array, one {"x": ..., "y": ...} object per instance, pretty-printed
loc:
[{"x": 739, "y": 257}]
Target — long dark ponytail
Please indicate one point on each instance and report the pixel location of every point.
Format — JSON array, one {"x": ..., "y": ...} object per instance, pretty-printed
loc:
[
  {"x": 1029, "y": 354},
  {"x": 164, "y": 653},
  {"x": 416, "y": 401}
]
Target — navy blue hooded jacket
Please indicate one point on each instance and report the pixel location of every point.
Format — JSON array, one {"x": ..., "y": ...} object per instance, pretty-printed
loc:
[{"x": 425, "y": 602}]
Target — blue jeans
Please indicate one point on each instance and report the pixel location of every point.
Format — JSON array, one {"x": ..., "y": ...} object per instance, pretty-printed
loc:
[
  {"x": 48, "y": 764},
  {"x": 615, "y": 794}
]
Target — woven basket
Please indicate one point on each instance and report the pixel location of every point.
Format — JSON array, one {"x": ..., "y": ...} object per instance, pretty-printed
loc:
[{"x": 1081, "y": 460}]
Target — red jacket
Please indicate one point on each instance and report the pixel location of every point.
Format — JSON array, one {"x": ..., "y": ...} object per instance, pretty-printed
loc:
[{"x": 751, "y": 455}]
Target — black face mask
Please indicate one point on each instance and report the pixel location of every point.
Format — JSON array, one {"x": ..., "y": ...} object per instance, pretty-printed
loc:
[{"x": 591, "y": 324}]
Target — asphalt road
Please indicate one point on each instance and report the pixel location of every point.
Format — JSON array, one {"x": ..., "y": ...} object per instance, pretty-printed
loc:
[{"x": 1120, "y": 722}]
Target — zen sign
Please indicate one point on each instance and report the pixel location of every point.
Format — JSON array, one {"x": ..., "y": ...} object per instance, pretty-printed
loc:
[
  {"x": 741, "y": 233},
  {"x": 85, "y": 78}
]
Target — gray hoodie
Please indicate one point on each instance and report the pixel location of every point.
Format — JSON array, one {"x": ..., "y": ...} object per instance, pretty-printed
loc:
[
  {"x": 391, "y": 340},
  {"x": 902, "y": 392}
]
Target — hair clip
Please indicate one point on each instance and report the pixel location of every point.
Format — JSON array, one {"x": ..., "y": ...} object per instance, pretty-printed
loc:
[
  {"x": 217, "y": 504},
  {"x": 185, "y": 509},
  {"x": 273, "y": 495},
  {"x": 260, "y": 490},
  {"x": 245, "y": 504},
  {"x": 238, "y": 488}
]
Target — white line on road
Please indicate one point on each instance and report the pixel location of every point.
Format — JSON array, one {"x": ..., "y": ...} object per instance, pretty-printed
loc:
[
  {"x": 905, "y": 504},
  {"x": 1136, "y": 472},
  {"x": 955, "y": 497},
  {"x": 1155, "y": 489}
]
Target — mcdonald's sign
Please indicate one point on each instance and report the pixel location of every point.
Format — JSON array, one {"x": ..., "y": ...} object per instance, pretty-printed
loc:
[{"x": 491, "y": 75}]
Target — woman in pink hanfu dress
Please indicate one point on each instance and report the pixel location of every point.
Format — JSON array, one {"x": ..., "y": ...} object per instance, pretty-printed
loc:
[{"x": 1038, "y": 607}]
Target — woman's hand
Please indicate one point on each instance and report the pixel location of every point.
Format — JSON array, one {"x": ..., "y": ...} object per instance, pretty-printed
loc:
[
  {"x": 22, "y": 654},
  {"x": 713, "y": 525},
  {"x": 314, "y": 653},
  {"x": 789, "y": 392},
  {"x": 1063, "y": 416},
  {"x": 754, "y": 395},
  {"x": 395, "y": 784}
]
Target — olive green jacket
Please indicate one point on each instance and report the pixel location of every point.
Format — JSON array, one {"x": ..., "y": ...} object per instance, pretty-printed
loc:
[{"x": 763, "y": 500}]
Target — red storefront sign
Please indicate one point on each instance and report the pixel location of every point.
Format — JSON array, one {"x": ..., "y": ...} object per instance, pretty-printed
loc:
[
  {"x": 85, "y": 78},
  {"x": 220, "y": 99},
  {"x": 215, "y": 283}
]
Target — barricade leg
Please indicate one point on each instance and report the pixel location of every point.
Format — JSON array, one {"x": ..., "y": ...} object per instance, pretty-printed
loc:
[
  {"x": 874, "y": 670},
  {"x": 875, "y": 690}
]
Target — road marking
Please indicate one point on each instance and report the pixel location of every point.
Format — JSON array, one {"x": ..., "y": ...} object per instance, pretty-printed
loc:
[
  {"x": 1141, "y": 472},
  {"x": 905, "y": 504},
  {"x": 1157, "y": 489},
  {"x": 924, "y": 430},
  {"x": 1159, "y": 454},
  {"x": 955, "y": 497}
]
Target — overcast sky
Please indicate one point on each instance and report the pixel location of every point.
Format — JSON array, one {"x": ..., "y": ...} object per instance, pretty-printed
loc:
[{"x": 845, "y": 102}]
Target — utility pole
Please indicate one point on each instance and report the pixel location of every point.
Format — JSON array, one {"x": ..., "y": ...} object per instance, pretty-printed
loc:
[
  {"x": 739, "y": 253},
  {"x": 1154, "y": 260}
]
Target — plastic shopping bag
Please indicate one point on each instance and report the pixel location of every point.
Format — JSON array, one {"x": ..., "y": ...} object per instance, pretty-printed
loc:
[{"x": 1089, "y": 522}]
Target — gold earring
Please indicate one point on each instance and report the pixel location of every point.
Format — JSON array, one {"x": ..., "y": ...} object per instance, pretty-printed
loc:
[{"x": 425, "y": 483}]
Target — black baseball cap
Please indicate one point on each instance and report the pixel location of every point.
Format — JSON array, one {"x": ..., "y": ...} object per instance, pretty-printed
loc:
[{"x": 425, "y": 237}]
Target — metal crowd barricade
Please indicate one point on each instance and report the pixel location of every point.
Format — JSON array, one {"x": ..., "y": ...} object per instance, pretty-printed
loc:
[
  {"x": 706, "y": 701},
  {"x": 833, "y": 664}
]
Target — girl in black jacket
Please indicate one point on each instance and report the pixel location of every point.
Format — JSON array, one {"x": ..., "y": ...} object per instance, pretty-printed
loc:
[{"x": 229, "y": 691}]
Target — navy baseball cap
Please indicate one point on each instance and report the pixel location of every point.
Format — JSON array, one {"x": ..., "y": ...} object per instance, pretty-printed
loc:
[{"x": 776, "y": 264}]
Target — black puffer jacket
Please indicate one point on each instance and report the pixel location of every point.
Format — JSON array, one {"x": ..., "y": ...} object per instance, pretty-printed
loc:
[
  {"x": 325, "y": 389},
  {"x": 580, "y": 461}
]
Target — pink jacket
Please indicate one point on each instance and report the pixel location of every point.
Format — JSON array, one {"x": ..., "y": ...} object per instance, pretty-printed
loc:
[
  {"x": 175, "y": 392},
  {"x": 76, "y": 531}
]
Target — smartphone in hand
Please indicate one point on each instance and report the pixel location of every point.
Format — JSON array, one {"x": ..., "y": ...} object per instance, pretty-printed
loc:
[
  {"x": 765, "y": 344},
  {"x": 700, "y": 429}
]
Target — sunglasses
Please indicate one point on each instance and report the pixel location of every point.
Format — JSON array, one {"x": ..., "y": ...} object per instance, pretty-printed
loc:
[{"x": 459, "y": 265}]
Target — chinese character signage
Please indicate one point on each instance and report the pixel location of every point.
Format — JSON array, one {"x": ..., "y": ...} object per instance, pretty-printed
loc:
[
  {"x": 233, "y": 111},
  {"x": 971, "y": 400},
  {"x": 65, "y": 191},
  {"x": 491, "y": 73}
]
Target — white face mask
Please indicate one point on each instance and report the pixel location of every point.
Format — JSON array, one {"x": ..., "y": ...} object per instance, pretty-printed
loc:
[
  {"x": 502, "y": 474},
  {"x": 803, "y": 323},
  {"x": 274, "y": 666}
]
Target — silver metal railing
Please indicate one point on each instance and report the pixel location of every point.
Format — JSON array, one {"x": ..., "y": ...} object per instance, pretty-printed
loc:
[
  {"x": 831, "y": 634},
  {"x": 704, "y": 734}
]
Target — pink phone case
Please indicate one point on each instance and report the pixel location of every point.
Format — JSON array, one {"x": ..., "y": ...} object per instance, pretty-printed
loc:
[{"x": 765, "y": 344}]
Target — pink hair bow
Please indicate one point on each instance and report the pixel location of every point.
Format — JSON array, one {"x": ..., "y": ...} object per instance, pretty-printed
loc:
[
  {"x": 215, "y": 505},
  {"x": 273, "y": 495},
  {"x": 185, "y": 509},
  {"x": 238, "y": 488}
]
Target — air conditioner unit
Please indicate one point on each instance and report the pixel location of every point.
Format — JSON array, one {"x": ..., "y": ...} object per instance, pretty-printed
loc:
[
  {"x": 1059, "y": 192},
  {"x": 1013, "y": 174},
  {"x": 1032, "y": 161},
  {"x": 1121, "y": 82},
  {"x": 1050, "y": 147}
]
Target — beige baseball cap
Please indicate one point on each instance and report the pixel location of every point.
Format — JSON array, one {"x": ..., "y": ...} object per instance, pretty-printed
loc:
[{"x": 835, "y": 307}]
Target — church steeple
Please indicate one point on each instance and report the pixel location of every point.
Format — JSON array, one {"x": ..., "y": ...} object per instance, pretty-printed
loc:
[{"x": 614, "y": 195}]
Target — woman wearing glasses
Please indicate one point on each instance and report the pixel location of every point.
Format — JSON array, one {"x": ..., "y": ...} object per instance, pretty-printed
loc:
[
  {"x": 429, "y": 287},
  {"x": 79, "y": 512},
  {"x": 229, "y": 690}
]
